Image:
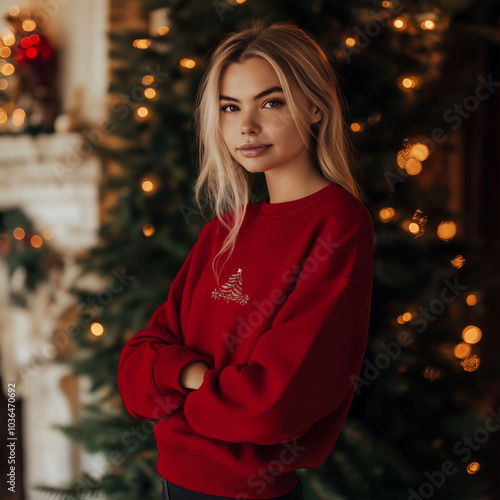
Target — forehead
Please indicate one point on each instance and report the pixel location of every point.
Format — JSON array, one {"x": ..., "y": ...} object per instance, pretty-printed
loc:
[{"x": 248, "y": 78}]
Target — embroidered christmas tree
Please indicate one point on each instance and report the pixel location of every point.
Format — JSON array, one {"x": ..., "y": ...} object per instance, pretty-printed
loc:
[{"x": 232, "y": 290}]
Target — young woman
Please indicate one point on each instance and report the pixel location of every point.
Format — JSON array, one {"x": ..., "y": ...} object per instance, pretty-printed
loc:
[{"x": 250, "y": 366}]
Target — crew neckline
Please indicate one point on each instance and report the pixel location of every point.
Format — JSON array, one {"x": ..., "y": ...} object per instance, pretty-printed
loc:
[{"x": 287, "y": 207}]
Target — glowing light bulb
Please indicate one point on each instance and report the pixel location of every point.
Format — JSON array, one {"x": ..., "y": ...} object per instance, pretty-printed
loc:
[
  {"x": 141, "y": 43},
  {"x": 36, "y": 241},
  {"x": 187, "y": 63},
  {"x": 458, "y": 262},
  {"x": 471, "y": 299},
  {"x": 428, "y": 25},
  {"x": 29, "y": 25},
  {"x": 399, "y": 23},
  {"x": 462, "y": 350},
  {"x": 142, "y": 112},
  {"x": 446, "y": 230},
  {"x": 386, "y": 214},
  {"x": 472, "y": 334},
  {"x": 148, "y": 229},
  {"x": 18, "y": 233},
  {"x": 8, "y": 69},
  {"x": 473, "y": 467},
  {"x": 96, "y": 329}
]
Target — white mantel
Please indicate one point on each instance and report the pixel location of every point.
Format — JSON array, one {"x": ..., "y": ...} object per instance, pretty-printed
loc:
[{"x": 55, "y": 181}]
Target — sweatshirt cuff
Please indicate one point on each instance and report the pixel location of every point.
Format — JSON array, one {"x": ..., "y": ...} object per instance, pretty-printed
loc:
[{"x": 167, "y": 368}]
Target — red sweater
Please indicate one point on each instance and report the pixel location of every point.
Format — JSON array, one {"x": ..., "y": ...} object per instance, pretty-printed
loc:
[{"x": 284, "y": 335}]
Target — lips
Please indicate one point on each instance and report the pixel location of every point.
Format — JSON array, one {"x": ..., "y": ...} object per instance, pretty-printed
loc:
[{"x": 253, "y": 145}]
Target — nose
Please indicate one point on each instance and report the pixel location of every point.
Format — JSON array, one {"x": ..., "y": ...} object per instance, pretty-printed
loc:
[{"x": 249, "y": 124}]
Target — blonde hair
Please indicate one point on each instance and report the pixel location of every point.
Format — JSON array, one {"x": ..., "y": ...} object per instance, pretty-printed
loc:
[{"x": 300, "y": 63}]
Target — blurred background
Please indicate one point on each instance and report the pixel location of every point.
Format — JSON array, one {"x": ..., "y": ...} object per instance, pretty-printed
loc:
[{"x": 97, "y": 214}]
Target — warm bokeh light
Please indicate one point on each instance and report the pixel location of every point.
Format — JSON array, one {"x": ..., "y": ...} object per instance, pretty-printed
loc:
[
  {"x": 148, "y": 229},
  {"x": 163, "y": 30},
  {"x": 409, "y": 82},
  {"x": 458, "y": 262},
  {"x": 386, "y": 214},
  {"x": 431, "y": 373},
  {"x": 386, "y": 4},
  {"x": 5, "y": 52},
  {"x": 141, "y": 43},
  {"x": 350, "y": 42},
  {"x": 147, "y": 79},
  {"x": 473, "y": 467},
  {"x": 3, "y": 116},
  {"x": 399, "y": 23},
  {"x": 404, "y": 318},
  {"x": 36, "y": 241},
  {"x": 147, "y": 185},
  {"x": 240, "y": 1},
  {"x": 413, "y": 166},
  {"x": 471, "y": 299},
  {"x": 355, "y": 127},
  {"x": 18, "y": 117},
  {"x": 414, "y": 228},
  {"x": 31, "y": 52},
  {"x": 14, "y": 10},
  {"x": 150, "y": 93},
  {"x": 462, "y": 350},
  {"x": 142, "y": 112},
  {"x": 9, "y": 38},
  {"x": 446, "y": 230},
  {"x": 187, "y": 63},
  {"x": 96, "y": 329},
  {"x": 419, "y": 151},
  {"x": 29, "y": 25},
  {"x": 8, "y": 69},
  {"x": 472, "y": 334},
  {"x": 18, "y": 233},
  {"x": 471, "y": 363},
  {"x": 47, "y": 233},
  {"x": 402, "y": 157},
  {"x": 428, "y": 25}
]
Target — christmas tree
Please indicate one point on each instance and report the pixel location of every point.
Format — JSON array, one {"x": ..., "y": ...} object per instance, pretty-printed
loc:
[{"x": 417, "y": 426}]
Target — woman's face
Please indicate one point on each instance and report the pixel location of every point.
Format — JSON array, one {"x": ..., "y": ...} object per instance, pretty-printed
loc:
[{"x": 254, "y": 114}]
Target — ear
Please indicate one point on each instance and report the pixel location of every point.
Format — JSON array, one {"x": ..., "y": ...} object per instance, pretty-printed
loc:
[{"x": 316, "y": 115}]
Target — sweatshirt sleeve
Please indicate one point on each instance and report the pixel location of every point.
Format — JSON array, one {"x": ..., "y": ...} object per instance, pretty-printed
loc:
[
  {"x": 300, "y": 369},
  {"x": 151, "y": 361}
]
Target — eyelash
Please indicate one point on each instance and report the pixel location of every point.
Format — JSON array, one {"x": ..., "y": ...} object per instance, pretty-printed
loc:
[{"x": 280, "y": 102}]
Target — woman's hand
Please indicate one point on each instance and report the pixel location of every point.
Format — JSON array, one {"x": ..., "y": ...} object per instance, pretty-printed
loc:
[{"x": 192, "y": 375}]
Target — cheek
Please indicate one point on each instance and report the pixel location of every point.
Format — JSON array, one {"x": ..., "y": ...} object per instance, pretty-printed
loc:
[{"x": 226, "y": 131}]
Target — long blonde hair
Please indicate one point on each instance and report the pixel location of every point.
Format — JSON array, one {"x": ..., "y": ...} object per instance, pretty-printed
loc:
[{"x": 298, "y": 62}]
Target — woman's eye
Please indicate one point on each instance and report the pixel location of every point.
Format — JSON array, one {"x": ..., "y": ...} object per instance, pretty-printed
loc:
[
  {"x": 224, "y": 108},
  {"x": 275, "y": 103}
]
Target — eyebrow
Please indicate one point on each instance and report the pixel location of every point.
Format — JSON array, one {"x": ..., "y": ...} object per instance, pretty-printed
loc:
[{"x": 258, "y": 96}]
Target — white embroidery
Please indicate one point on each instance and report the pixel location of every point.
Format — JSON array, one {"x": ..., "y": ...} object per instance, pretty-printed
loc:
[{"x": 232, "y": 290}]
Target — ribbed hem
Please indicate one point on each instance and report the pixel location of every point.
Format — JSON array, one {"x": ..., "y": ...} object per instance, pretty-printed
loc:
[
  {"x": 267, "y": 209},
  {"x": 195, "y": 472}
]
